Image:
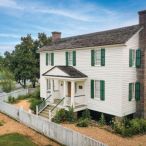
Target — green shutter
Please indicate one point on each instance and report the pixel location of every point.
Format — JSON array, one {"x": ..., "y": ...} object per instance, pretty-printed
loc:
[
  {"x": 46, "y": 58},
  {"x": 130, "y": 91},
  {"x": 66, "y": 54},
  {"x": 102, "y": 90},
  {"x": 130, "y": 58},
  {"x": 52, "y": 59},
  {"x": 138, "y": 58},
  {"x": 137, "y": 91},
  {"x": 92, "y": 88},
  {"x": 74, "y": 58},
  {"x": 103, "y": 57},
  {"x": 92, "y": 57}
]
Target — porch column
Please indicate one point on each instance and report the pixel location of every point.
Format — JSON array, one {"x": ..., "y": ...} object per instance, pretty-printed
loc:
[
  {"x": 73, "y": 93},
  {"x": 51, "y": 89},
  {"x": 64, "y": 92}
]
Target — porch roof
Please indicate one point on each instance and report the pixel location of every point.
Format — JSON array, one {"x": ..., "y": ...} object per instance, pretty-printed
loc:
[{"x": 65, "y": 71}]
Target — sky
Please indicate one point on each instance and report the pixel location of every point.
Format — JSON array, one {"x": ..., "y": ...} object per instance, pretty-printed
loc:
[{"x": 71, "y": 17}]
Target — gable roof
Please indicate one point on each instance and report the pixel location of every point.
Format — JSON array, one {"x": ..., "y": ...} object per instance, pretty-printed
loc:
[
  {"x": 109, "y": 37},
  {"x": 70, "y": 72}
]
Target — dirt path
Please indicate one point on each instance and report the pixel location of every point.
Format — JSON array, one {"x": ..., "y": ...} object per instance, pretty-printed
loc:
[
  {"x": 109, "y": 138},
  {"x": 23, "y": 103},
  {"x": 12, "y": 126}
]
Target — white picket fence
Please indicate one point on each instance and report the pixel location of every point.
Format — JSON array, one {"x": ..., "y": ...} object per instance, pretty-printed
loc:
[
  {"x": 15, "y": 94},
  {"x": 52, "y": 130}
]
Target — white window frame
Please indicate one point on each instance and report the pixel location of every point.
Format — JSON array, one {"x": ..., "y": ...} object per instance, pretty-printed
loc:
[
  {"x": 97, "y": 89},
  {"x": 70, "y": 58},
  {"x": 97, "y": 57}
]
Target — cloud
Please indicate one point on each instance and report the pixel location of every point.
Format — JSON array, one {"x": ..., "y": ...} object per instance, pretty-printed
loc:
[
  {"x": 10, "y": 4},
  {"x": 6, "y": 35}
]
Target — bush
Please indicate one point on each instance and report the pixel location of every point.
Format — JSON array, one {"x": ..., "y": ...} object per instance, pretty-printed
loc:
[
  {"x": 127, "y": 127},
  {"x": 83, "y": 122},
  {"x": 11, "y": 99},
  {"x": 60, "y": 116},
  {"x": 70, "y": 116},
  {"x": 102, "y": 120},
  {"x": 86, "y": 114},
  {"x": 34, "y": 102},
  {"x": 64, "y": 116}
]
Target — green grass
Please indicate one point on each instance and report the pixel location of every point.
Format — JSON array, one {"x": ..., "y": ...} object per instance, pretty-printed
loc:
[{"x": 15, "y": 139}]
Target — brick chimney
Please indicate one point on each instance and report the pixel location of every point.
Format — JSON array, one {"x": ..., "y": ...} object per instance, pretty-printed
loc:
[
  {"x": 56, "y": 36},
  {"x": 141, "y": 72}
]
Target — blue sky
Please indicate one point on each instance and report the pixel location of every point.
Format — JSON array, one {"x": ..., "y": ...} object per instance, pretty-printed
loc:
[{"x": 71, "y": 17}]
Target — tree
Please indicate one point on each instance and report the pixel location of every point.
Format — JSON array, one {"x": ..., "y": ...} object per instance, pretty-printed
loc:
[{"x": 25, "y": 59}]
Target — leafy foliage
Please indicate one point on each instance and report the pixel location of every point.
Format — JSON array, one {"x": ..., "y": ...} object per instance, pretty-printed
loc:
[
  {"x": 128, "y": 128},
  {"x": 86, "y": 114},
  {"x": 83, "y": 122},
  {"x": 6, "y": 80},
  {"x": 24, "y": 60},
  {"x": 102, "y": 120},
  {"x": 63, "y": 115}
]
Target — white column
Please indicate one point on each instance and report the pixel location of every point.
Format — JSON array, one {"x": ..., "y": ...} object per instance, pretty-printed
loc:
[
  {"x": 52, "y": 99},
  {"x": 64, "y": 92},
  {"x": 73, "y": 94}
]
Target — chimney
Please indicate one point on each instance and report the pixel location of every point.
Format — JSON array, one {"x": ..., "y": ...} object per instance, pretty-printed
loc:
[
  {"x": 56, "y": 36},
  {"x": 141, "y": 72}
]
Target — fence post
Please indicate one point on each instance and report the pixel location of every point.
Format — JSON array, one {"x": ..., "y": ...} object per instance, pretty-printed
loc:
[{"x": 37, "y": 110}]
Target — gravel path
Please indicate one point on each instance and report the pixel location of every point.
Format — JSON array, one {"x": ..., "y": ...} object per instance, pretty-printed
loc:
[
  {"x": 109, "y": 138},
  {"x": 12, "y": 126}
]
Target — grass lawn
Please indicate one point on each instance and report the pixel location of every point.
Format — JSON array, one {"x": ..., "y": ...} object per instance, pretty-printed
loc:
[{"x": 15, "y": 139}]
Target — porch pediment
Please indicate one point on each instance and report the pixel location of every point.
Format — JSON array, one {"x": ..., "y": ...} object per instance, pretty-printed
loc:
[{"x": 64, "y": 71}]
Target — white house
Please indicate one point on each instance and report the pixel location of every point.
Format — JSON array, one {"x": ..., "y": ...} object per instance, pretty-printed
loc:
[{"x": 101, "y": 71}]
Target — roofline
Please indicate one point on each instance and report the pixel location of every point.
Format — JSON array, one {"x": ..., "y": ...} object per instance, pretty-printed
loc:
[{"x": 103, "y": 46}]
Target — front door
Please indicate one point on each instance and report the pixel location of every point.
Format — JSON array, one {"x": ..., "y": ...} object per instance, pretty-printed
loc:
[{"x": 69, "y": 89}]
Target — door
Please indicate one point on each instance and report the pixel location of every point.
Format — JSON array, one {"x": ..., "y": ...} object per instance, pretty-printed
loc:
[{"x": 69, "y": 89}]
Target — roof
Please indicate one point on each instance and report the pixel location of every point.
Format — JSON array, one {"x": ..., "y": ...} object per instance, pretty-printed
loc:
[
  {"x": 109, "y": 37},
  {"x": 69, "y": 71}
]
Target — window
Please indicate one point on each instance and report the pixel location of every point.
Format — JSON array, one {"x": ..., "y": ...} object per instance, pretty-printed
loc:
[
  {"x": 48, "y": 84},
  {"x": 70, "y": 58},
  {"x": 132, "y": 58},
  {"x": 135, "y": 58},
  {"x": 97, "y": 89},
  {"x": 131, "y": 91},
  {"x": 50, "y": 59},
  {"x": 98, "y": 57}
]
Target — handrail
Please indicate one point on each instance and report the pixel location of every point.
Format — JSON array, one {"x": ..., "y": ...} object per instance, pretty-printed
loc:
[
  {"x": 43, "y": 104},
  {"x": 57, "y": 104}
]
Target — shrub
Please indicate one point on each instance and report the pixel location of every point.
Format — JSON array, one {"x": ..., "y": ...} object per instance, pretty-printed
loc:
[
  {"x": 60, "y": 116},
  {"x": 102, "y": 120},
  {"x": 83, "y": 122},
  {"x": 34, "y": 102},
  {"x": 127, "y": 127},
  {"x": 11, "y": 99},
  {"x": 86, "y": 114},
  {"x": 63, "y": 115},
  {"x": 70, "y": 116}
]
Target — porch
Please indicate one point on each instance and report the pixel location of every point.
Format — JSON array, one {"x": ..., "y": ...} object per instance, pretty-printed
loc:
[{"x": 65, "y": 87}]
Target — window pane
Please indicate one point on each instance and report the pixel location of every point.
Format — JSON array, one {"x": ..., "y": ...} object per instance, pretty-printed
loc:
[
  {"x": 48, "y": 84},
  {"x": 70, "y": 58},
  {"x": 97, "y": 57},
  {"x": 97, "y": 89},
  {"x": 49, "y": 58}
]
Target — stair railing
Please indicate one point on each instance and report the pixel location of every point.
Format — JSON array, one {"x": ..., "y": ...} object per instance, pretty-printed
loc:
[
  {"x": 42, "y": 105},
  {"x": 51, "y": 110}
]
